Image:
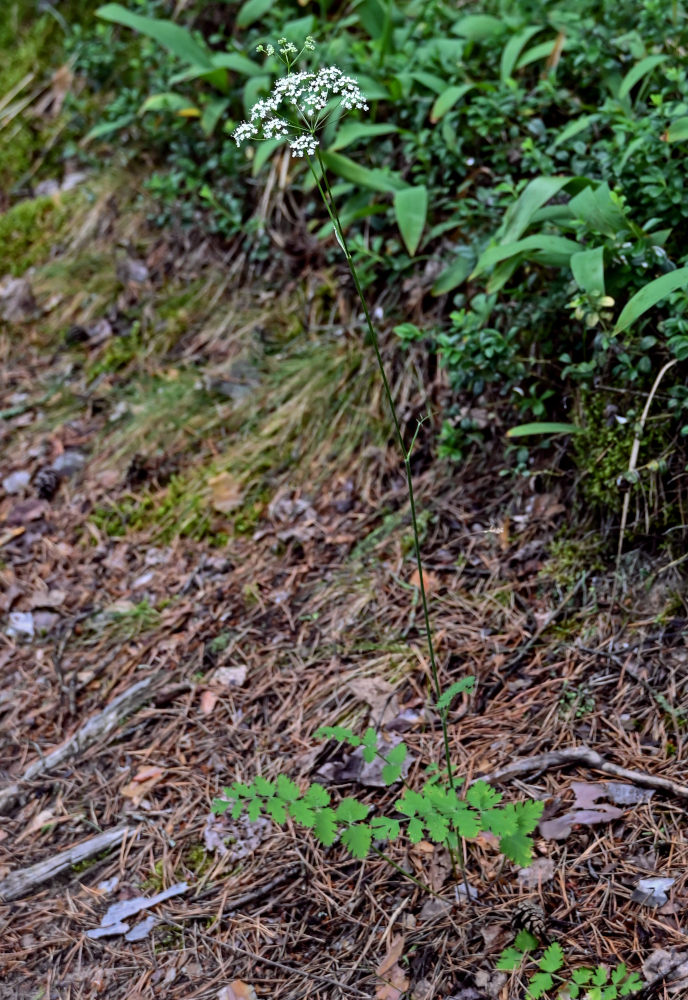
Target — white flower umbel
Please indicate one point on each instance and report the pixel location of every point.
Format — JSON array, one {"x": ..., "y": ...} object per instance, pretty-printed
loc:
[{"x": 298, "y": 108}]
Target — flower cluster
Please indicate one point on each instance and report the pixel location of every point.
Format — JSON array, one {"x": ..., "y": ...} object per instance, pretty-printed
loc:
[{"x": 310, "y": 96}]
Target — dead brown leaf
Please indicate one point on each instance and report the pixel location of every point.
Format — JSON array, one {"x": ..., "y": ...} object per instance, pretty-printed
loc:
[{"x": 225, "y": 493}]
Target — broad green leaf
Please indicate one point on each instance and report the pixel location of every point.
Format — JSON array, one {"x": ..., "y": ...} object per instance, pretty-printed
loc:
[
  {"x": 587, "y": 268},
  {"x": 456, "y": 273},
  {"x": 519, "y": 215},
  {"x": 677, "y": 131},
  {"x": 599, "y": 210},
  {"x": 264, "y": 151},
  {"x": 509, "y": 960},
  {"x": 539, "y": 52},
  {"x": 212, "y": 112},
  {"x": 167, "y": 102},
  {"x": 107, "y": 128},
  {"x": 254, "y": 809},
  {"x": 524, "y": 430},
  {"x": 358, "y": 839},
  {"x": 479, "y": 27},
  {"x": 581, "y": 976},
  {"x": 352, "y": 131},
  {"x": 351, "y": 810},
  {"x": 325, "y": 827},
  {"x": 553, "y": 958},
  {"x": 466, "y": 822},
  {"x": 551, "y": 250},
  {"x": 411, "y": 209},
  {"x": 376, "y": 180},
  {"x": 237, "y": 63},
  {"x": 252, "y": 11},
  {"x": 574, "y": 128},
  {"x": 171, "y": 36},
  {"x": 447, "y": 99},
  {"x": 429, "y": 80},
  {"x": 458, "y": 687},
  {"x": 513, "y": 49},
  {"x": 637, "y": 72},
  {"x": 649, "y": 296},
  {"x": 517, "y": 847}
]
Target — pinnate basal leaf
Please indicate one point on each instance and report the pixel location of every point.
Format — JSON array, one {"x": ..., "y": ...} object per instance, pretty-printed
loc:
[
  {"x": 385, "y": 828},
  {"x": 517, "y": 847},
  {"x": 325, "y": 827},
  {"x": 437, "y": 827},
  {"x": 390, "y": 773},
  {"x": 526, "y": 941},
  {"x": 254, "y": 809},
  {"x": 446, "y": 698},
  {"x": 358, "y": 839},
  {"x": 483, "y": 796},
  {"x": 415, "y": 831},
  {"x": 287, "y": 789},
  {"x": 553, "y": 958},
  {"x": 509, "y": 960},
  {"x": 276, "y": 809},
  {"x": 539, "y": 984},
  {"x": 263, "y": 786},
  {"x": 302, "y": 813},
  {"x": 317, "y": 796},
  {"x": 339, "y": 733},
  {"x": 351, "y": 810}
]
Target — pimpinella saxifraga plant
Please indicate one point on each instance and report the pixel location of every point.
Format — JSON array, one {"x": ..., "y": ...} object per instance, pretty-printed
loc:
[{"x": 296, "y": 111}]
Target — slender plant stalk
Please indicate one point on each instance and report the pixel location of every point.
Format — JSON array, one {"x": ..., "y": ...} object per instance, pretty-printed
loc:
[{"x": 329, "y": 202}]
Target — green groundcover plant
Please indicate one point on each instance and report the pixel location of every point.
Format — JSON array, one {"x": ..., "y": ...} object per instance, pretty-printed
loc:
[{"x": 532, "y": 172}]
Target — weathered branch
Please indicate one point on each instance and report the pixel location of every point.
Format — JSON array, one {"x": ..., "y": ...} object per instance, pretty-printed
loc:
[
  {"x": 583, "y": 755},
  {"x": 94, "y": 729},
  {"x": 21, "y": 882}
]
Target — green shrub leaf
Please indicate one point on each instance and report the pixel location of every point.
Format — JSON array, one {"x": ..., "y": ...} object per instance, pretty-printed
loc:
[{"x": 411, "y": 208}]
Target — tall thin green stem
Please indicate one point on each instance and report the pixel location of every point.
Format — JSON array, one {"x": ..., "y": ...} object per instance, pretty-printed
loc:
[{"x": 328, "y": 199}]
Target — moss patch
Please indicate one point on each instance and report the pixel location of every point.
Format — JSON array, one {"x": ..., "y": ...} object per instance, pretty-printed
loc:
[{"x": 28, "y": 229}]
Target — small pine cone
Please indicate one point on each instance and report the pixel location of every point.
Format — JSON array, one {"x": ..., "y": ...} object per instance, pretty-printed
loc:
[
  {"x": 46, "y": 483},
  {"x": 528, "y": 916}
]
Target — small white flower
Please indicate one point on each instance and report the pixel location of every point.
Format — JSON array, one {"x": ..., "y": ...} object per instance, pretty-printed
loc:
[{"x": 309, "y": 95}]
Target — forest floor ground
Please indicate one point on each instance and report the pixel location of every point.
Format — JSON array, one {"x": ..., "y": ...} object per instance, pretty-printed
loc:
[{"x": 200, "y": 491}]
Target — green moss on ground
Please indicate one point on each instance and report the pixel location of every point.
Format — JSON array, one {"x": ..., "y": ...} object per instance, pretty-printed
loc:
[{"x": 29, "y": 229}]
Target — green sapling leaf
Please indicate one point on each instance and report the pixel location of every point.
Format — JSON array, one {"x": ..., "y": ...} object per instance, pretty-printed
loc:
[
  {"x": 263, "y": 786},
  {"x": 385, "y": 828},
  {"x": 415, "y": 831},
  {"x": 276, "y": 809},
  {"x": 397, "y": 755},
  {"x": 483, "y": 796}
]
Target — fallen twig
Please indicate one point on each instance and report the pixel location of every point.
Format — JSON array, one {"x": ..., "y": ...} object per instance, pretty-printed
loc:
[
  {"x": 20, "y": 882},
  {"x": 583, "y": 755},
  {"x": 94, "y": 729}
]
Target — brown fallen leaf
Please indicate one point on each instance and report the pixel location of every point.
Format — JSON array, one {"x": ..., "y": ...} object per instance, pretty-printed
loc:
[
  {"x": 237, "y": 991},
  {"x": 208, "y": 702},
  {"x": 396, "y": 980},
  {"x": 225, "y": 493}
]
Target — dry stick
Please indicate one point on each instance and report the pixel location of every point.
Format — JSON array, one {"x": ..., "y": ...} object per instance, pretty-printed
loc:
[
  {"x": 631, "y": 468},
  {"x": 583, "y": 755},
  {"x": 96, "y": 728},
  {"x": 19, "y": 883}
]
